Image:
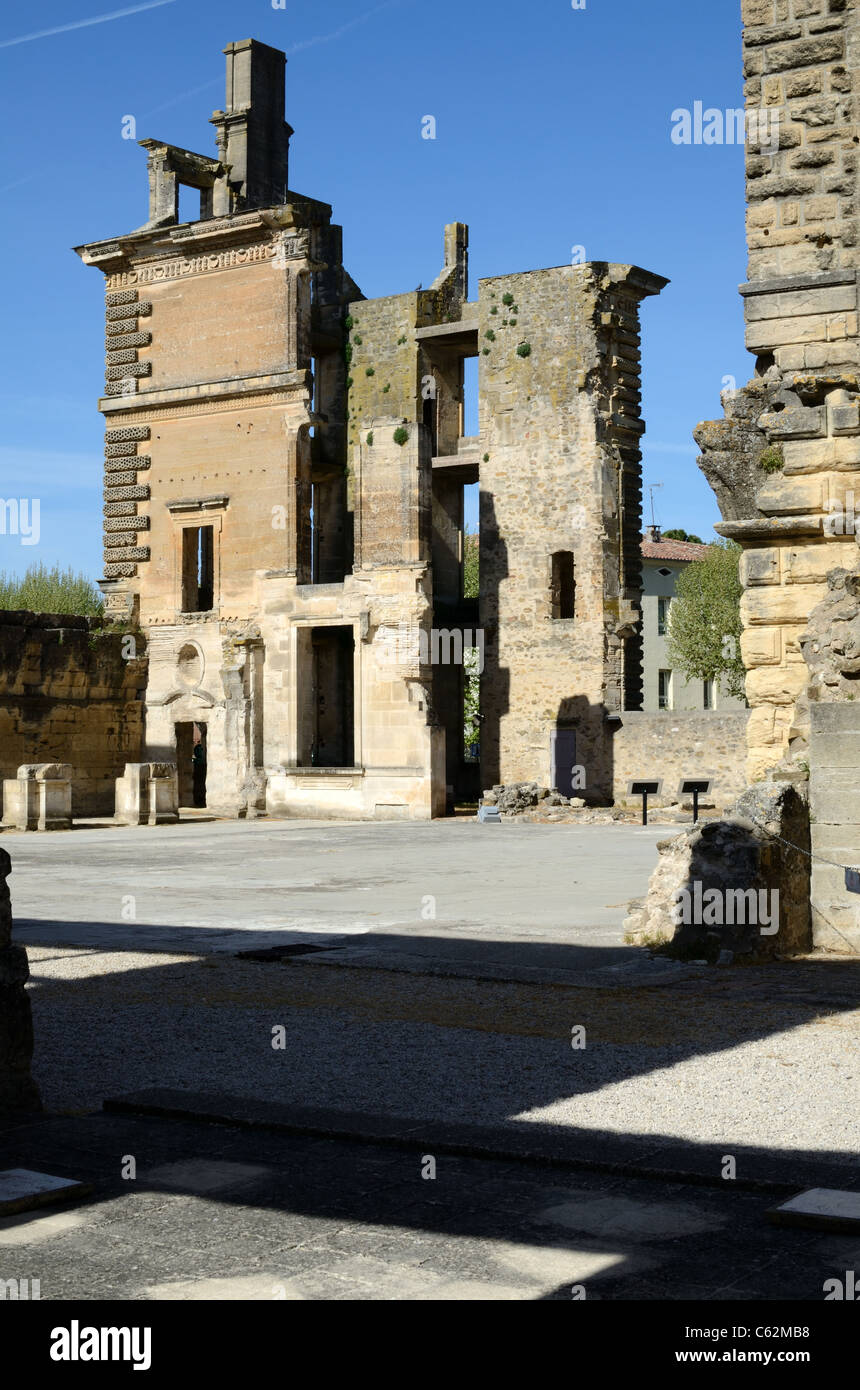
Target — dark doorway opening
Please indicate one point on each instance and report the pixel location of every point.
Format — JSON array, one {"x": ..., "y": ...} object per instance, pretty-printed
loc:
[
  {"x": 332, "y": 655},
  {"x": 191, "y": 763},
  {"x": 563, "y": 760}
]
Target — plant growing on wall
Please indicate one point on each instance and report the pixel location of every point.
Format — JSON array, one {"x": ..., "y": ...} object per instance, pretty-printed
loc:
[
  {"x": 772, "y": 459},
  {"x": 401, "y": 436},
  {"x": 705, "y": 621},
  {"x": 524, "y": 350},
  {"x": 370, "y": 437}
]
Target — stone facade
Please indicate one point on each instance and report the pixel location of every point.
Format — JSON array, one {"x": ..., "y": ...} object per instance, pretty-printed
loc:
[
  {"x": 284, "y": 472},
  {"x": 785, "y": 459},
  {"x": 68, "y": 694}
]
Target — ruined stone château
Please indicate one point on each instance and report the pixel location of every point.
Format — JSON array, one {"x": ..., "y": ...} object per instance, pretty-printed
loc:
[{"x": 284, "y": 472}]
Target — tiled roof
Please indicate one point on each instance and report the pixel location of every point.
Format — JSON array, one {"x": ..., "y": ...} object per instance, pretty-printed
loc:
[{"x": 673, "y": 550}]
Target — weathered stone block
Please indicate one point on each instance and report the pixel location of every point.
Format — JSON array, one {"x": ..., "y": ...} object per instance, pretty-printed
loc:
[
  {"x": 147, "y": 794},
  {"x": 40, "y": 798}
]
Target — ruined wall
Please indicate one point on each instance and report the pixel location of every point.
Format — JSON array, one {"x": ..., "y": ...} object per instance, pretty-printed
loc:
[
  {"x": 17, "y": 1089},
  {"x": 681, "y": 744},
  {"x": 67, "y": 695},
  {"x": 786, "y": 458},
  {"x": 560, "y": 427}
]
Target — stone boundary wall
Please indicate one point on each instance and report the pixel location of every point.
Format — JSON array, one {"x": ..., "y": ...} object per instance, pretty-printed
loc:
[
  {"x": 68, "y": 695},
  {"x": 684, "y": 743}
]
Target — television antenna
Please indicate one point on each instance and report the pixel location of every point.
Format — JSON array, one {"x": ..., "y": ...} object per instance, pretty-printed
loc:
[{"x": 652, "y": 487}]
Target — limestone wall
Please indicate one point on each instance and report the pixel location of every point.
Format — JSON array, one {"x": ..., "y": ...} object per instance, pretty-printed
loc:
[
  {"x": 834, "y": 804},
  {"x": 67, "y": 695},
  {"x": 786, "y": 461},
  {"x": 683, "y": 743},
  {"x": 560, "y": 429}
]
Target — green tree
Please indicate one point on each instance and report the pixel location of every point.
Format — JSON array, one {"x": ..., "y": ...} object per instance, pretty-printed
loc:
[
  {"x": 471, "y": 582},
  {"x": 54, "y": 590},
  {"x": 679, "y": 534},
  {"x": 705, "y": 621}
]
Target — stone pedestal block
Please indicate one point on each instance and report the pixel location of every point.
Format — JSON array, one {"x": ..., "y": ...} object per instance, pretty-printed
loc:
[
  {"x": 39, "y": 798},
  {"x": 147, "y": 794}
]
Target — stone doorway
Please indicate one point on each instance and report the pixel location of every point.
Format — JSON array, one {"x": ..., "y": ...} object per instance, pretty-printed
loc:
[{"x": 191, "y": 757}]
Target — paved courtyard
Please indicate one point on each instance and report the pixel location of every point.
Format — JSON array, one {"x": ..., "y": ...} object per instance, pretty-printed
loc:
[{"x": 465, "y": 1017}]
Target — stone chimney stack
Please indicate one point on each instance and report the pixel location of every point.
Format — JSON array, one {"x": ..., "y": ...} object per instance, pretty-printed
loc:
[
  {"x": 652, "y": 535},
  {"x": 253, "y": 137}
]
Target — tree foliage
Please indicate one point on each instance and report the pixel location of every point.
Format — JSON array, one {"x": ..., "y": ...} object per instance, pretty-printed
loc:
[
  {"x": 43, "y": 590},
  {"x": 705, "y": 622},
  {"x": 470, "y": 565},
  {"x": 679, "y": 534}
]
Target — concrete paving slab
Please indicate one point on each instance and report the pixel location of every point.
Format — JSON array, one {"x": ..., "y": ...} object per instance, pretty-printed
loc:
[
  {"x": 21, "y": 1189},
  {"x": 821, "y": 1208}
]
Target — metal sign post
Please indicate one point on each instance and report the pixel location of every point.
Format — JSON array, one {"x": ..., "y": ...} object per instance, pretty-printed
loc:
[
  {"x": 695, "y": 787},
  {"x": 644, "y": 789}
]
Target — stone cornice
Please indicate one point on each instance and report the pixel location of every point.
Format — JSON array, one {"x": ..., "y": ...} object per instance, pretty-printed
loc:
[
  {"x": 819, "y": 281},
  {"x": 207, "y": 392},
  {"x": 767, "y": 529}
]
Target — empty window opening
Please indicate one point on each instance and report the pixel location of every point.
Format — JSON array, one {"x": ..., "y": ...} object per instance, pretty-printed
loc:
[
  {"x": 430, "y": 416},
  {"x": 664, "y": 689},
  {"x": 198, "y": 569},
  {"x": 470, "y": 424},
  {"x": 663, "y": 605},
  {"x": 331, "y": 726},
  {"x": 191, "y": 763},
  {"x": 707, "y": 694},
  {"x": 189, "y": 204},
  {"x": 563, "y": 585},
  {"x": 471, "y": 542}
]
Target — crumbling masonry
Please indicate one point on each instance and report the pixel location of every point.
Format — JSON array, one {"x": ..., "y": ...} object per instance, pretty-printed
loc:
[
  {"x": 784, "y": 463},
  {"x": 284, "y": 472}
]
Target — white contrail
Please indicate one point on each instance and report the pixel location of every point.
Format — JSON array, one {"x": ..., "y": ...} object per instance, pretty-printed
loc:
[
  {"x": 84, "y": 23},
  {"x": 344, "y": 29}
]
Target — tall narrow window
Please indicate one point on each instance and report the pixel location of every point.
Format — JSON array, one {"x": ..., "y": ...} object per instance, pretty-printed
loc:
[
  {"x": 563, "y": 585},
  {"x": 664, "y": 689},
  {"x": 663, "y": 605},
  {"x": 708, "y": 694},
  {"x": 198, "y": 569}
]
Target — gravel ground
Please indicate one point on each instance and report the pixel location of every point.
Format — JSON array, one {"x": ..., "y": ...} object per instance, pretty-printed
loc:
[{"x": 752, "y": 1056}]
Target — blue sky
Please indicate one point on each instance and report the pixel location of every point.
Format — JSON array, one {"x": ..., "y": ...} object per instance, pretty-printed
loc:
[{"x": 553, "y": 131}]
